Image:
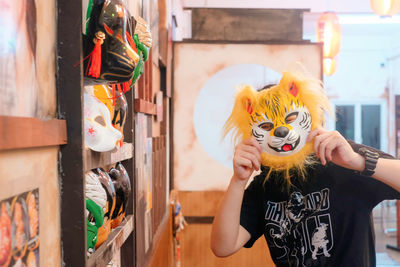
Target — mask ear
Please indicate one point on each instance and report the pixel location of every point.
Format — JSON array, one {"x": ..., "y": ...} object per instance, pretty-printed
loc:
[
  {"x": 245, "y": 101},
  {"x": 247, "y": 105},
  {"x": 244, "y": 106},
  {"x": 293, "y": 90}
]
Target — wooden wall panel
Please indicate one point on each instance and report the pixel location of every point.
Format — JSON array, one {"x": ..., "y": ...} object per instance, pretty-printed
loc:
[
  {"x": 24, "y": 170},
  {"x": 200, "y": 203},
  {"x": 196, "y": 252},
  {"x": 234, "y": 24},
  {"x": 195, "y": 238},
  {"x": 163, "y": 245}
]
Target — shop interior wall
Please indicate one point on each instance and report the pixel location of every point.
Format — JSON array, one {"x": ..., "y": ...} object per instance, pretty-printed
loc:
[
  {"x": 199, "y": 175},
  {"x": 154, "y": 90},
  {"x": 28, "y": 91}
]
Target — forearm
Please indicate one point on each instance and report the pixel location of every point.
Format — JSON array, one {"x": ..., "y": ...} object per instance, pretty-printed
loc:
[
  {"x": 225, "y": 237},
  {"x": 386, "y": 171}
]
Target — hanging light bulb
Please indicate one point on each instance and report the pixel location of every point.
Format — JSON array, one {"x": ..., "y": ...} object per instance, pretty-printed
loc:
[
  {"x": 329, "y": 32},
  {"x": 385, "y": 7},
  {"x": 330, "y": 66}
]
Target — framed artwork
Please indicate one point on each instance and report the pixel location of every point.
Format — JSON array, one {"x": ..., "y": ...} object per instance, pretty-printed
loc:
[
  {"x": 27, "y": 65},
  {"x": 19, "y": 230},
  {"x": 205, "y": 81}
]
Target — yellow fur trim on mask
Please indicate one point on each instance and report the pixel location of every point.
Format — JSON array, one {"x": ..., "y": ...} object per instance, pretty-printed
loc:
[{"x": 249, "y": 104}]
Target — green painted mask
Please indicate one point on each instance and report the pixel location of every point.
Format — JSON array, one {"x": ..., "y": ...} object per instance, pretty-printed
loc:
[{"x": 94, "y": 221}]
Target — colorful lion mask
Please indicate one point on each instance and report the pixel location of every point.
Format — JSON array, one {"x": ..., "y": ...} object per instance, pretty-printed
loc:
[{"x": 280, "y": 119}]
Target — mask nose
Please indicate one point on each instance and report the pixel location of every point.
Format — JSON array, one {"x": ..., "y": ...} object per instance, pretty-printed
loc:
[{"x": 281, "y": 131}]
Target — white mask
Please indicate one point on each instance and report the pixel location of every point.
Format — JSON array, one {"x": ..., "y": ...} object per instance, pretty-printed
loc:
[
  {"x": 287, "y": 139},
  {"x": 100, "y": 135}
]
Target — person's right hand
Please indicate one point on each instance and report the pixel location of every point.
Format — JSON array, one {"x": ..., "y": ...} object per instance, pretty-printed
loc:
[{"x": 247, "y": 158}]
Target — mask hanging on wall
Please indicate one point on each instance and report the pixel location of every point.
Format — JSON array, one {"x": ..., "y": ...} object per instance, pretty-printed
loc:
[
  {"x": 94, "y": 221},
  {"x": 100, "y": 135},
  {"x": 143, "y": 42},
  {"x": 104, "y": 94},
  {"x": 120, "y": 111},
  {"x": 110, "y": 53},
  {"x": 108, "y": 186},
  {"x": 114, "y": 99},
  {"x": 280, "y": 118},
  {"x": 96, "y": 201},
  {"x": 122, "y": 186}
]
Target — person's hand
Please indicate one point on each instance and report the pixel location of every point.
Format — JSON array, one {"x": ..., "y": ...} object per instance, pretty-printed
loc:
[
  {"x": 332, "y": 146},
  {"x": 246, "y": 159}
]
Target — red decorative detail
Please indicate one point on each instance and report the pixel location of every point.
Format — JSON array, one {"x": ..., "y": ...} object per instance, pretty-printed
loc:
[
  {"x": 131, "y": 42},
  {"x": 287, "y": 147},
  {"x": 94, "y": 64},
  {"x": 122, "y": 89},
  {"x": 108, "y": 29},
  {"x": 249, "y": 107},
  {"x": 293, "y": 89},
  {"x": 91, "y": 130}
]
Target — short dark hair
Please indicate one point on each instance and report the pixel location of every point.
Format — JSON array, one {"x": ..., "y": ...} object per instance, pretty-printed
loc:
[{"x": 266, "y": 87}]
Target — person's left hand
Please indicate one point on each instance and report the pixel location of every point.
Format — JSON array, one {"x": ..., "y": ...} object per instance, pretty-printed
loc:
[{"x": 332, "y": 146}]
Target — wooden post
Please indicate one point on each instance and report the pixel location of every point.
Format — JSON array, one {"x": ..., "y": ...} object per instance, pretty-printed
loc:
[{"x": 69, "y": 92}]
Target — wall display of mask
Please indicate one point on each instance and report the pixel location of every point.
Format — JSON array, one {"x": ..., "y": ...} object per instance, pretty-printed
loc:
[
  {"x": 115, "y": 43},
  {"x": 108, "y": 186},
  {"x": 100, "y": 135},
  {"x": 116, "y": 103},
  {"x": 122, "y": 186},
  {"x": 19, "y": 230},
  {"x": 96, "y": 202}
]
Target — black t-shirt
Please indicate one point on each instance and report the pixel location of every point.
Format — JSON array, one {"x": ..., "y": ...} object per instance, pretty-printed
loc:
[{"x": 323, "y": 221}]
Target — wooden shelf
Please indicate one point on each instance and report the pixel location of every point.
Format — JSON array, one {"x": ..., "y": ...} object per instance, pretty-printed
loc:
[
  {"x": 104, "y": 254},
  {"x": 93, "y": 159}
]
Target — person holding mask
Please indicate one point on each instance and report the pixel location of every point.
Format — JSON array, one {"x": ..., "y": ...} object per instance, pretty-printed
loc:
[{"x": 314, "y": 196}]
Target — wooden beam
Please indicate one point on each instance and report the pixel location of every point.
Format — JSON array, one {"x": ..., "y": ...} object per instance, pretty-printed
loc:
[
  {"x": 21, "y": 132},
  {"x": 234, "y": 24}
]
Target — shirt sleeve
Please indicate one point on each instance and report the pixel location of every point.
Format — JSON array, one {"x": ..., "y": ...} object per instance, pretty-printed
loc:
[
  {"x": 377, "y": 191},
  {"x": 251, "y": 214}
]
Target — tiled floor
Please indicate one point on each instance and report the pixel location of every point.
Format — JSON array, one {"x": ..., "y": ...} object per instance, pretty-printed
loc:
[{"x": 385, "y": 233}]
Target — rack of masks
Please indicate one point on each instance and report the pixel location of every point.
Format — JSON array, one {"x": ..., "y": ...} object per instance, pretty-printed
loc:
[{"x": 115, "y": 46}]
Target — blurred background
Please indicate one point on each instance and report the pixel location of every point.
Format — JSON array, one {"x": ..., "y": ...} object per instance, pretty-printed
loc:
[{"x": 353, "y": 46}]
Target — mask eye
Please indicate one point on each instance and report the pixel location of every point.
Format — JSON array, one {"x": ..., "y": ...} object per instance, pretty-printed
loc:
[
  {"x": 291, "y": 117},
  {"x": 100, "y": 120},
  {"x": 266, "y": 126}
]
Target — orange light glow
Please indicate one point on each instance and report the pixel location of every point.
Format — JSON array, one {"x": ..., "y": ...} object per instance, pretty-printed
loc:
[
  {"x": 330, "y": 66},
  {"x": 329, "y": 32},
  {"x": 385, "y": 7}
]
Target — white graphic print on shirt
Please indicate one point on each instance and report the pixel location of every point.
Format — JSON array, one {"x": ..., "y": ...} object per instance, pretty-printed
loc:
[{"x": 300, "y": 229}]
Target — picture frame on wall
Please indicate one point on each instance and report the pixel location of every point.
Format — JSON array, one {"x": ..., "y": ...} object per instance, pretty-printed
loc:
[{"x": 19, "y": 230}]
